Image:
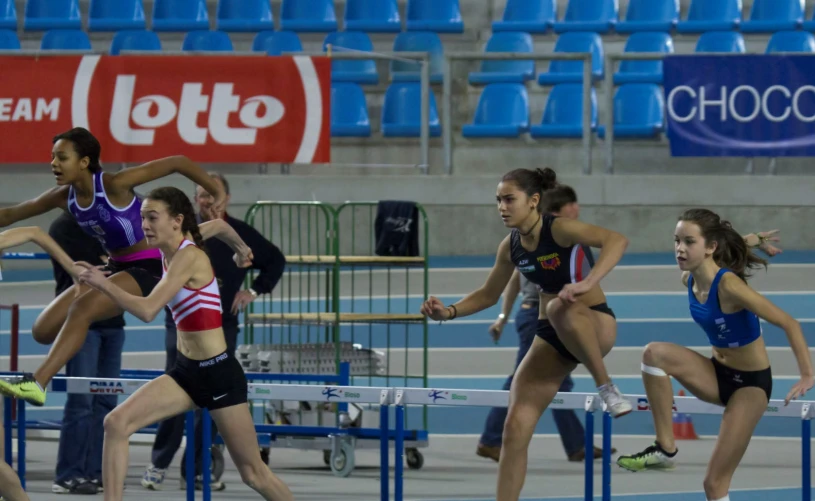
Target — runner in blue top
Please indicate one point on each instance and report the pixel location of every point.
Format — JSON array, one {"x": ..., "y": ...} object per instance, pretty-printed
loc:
[
  {"x": 715, "y": 262},
  {"x": 106, "y": 207}
]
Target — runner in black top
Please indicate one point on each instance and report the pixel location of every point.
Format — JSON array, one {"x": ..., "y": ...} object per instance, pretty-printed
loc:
[{"x": 548, "y": 251}]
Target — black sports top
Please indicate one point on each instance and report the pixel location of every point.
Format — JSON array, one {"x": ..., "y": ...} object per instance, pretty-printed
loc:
[{"x": 550, "y": 265}]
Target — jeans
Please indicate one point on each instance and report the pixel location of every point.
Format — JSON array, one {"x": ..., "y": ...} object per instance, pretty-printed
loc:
[
  {"x": 82, "y": 433},
  {"x": 568, "y": 424},
  {"x": 171, "y": 431}
]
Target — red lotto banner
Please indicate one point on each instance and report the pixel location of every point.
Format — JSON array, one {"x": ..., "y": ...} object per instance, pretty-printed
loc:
[{"x": 209, "y": 108}]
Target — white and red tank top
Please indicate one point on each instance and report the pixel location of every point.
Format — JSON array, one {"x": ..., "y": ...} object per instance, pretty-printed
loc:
[{"x": 195, "y": 309}]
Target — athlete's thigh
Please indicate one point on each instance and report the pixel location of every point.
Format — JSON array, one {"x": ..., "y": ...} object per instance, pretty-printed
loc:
[
  {"x": 694, "y": 371},
  {"x": 742, "y": 414},
  {"x": 539, "y": 377},
  {"x": 238, "y": 430},
  {"x": 50, "y": 320},
  {"x": 97, "y": 305},
  {"x": 159, "y": 399},
  {"x": 605, "y": 327}
]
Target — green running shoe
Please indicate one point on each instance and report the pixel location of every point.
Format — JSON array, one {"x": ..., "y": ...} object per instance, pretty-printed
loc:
[
  {"x": 24, "y": 388},
  {"x": 652, "y": 458}
]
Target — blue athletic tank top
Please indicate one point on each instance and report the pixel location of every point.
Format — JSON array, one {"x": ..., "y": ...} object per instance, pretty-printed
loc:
[
  {"x": 724, "y": 330},
  {"x": 550, "y": 266},
  {"x": 116, "y": 228}
]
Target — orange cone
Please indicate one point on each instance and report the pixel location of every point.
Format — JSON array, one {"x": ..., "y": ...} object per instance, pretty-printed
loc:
[{"x": 683, "y": 425}]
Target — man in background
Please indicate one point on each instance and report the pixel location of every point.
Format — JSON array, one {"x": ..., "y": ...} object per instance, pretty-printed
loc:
[
  {"x": 79, "y": 459},
  {"x": 270, "y": 262}
]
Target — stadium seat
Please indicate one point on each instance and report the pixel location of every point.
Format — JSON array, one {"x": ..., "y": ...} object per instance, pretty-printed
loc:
[
  {"x": 530, "y": 16},
  {"x": 115, "y": 15},
  {"x": 505, "y": 71},
  {"x": 244, "y": 16},
  {"x": 711, "y": 15},
  {"x": 503, "y": 111},
  {"x": 275, "y": 43},
  {"x": 401, "y": 111},
  {"x": 639, "y": 112},
  {"x": 134, "y": 40},
  {"x": 9, "y": 40},
  {"x": 809, "y": 24},
  {"x": 417, "y": 41},
  {"x": 649, "y": 15},
  {"x": 65, "y": 40},
  {"x": 8, "y": 15},
  {"x": 441, "y": 16},
  {"x": 372, "y": 16},
  {"x": 43, "y": 15},
  {"x": 316, "y": 16},
  {"x": 349, "y": 112},
  {"x": 572, "y": 71},
  {"x": 212, "y": 41},
  {"x": 361, "y": 71},
  {"x": 791, "y": 41},
  {"x": 769, "y": 16},
  {"x": 599, "y": 16},
  {"x": 644, "y": 71},
  {"x": 721, "y": 41},
  {"x": 180, "y": 15},
  {"x": 563, "y": 115}
]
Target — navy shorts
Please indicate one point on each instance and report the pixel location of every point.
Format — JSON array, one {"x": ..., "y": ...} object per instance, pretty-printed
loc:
[
  {"x": 146, "y": 272},
  {"x": 731, "y": 380},
  {"x": 212, "y": 384}
]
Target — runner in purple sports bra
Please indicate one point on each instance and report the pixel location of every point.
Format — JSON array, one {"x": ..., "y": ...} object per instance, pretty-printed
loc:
[{"x": 106, "y": 207}]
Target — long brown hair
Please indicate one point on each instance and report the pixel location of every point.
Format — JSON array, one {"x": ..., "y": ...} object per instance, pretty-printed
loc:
[{"x": 731, "y": 250}]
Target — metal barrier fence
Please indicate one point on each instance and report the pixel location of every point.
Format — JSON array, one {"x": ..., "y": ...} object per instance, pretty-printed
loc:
[
  {"x": 403, "y": 397},
  {"x": 447, "y": 113}
]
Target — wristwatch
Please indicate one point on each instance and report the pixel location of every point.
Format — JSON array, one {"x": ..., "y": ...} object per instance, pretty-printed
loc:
[
  {"x": 252, "y": 292},
  {"x": 501, "y": 316}
]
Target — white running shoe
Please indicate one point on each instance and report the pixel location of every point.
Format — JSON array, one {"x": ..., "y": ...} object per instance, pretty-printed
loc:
[{"x": 616, "y": 404}]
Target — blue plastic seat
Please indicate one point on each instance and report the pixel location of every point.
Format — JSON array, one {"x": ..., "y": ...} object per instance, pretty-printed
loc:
[
  {"x": 134, "y": 40},
  {"x": 711, "y": 15},
  {"x": 417, "y": 41},
  {"x": 180, "y": 15},
  {"x": 791, "y": 41},
  {"x": 349, "y": 112},
  {"x": 65, "y": 40},
  {"x": 503, "y": 111},
  {"x": 9, "y": 40},
  {"x": 639, "y": 112},
  {"x": 441, "y": 16},
  {"x": 644, "y": 71},
  {"x": 769, "y": 16},
  {"x": 115, "y": 15},
  {"x": 8, "y": 15},
  {"x": 244, "y": 16},
  {"x": 572, "y": 71},
  {"x": 649, "y": 15},
  {"x": 402, "y": 113},
  {"x": 275, "y": 43},
  {"x": 315, "y": 16},
  {"x": 494, "y": 71},
  {"x": 721, "y": 41},
  {"x": 361, "y": 71},
  {"x": 530, "y": 16},
  {"x": 212, "y": 41},
  {"x": 42, "y": 15},
  {"x": 372, "y": 16},
  {"x": 599, "y": 16},
  {"x": 563, "y": 115},
  {"x": 809, "y": 24}
]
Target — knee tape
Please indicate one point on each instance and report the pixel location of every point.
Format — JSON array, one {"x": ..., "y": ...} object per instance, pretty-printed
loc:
[
  {"x": 726, "y": 498},
  {"x": 654, "y": 371}
]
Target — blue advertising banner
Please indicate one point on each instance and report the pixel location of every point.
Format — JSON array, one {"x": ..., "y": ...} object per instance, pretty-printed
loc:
[{"x": 740, "y": 105}]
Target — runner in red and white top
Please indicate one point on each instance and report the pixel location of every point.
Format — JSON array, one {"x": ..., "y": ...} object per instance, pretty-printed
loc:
[{"x": 206, "y": 374}]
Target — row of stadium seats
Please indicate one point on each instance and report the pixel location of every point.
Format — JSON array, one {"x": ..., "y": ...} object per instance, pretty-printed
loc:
[
  {"x": 502, "y": 111},
  {"x": 511, "y": 71},
  {"x": 444, "y": 16}
]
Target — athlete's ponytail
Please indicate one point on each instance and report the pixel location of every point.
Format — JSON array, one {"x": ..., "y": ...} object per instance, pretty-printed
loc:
[
  {"x": 533, "y": 182},
  {"x": 731, "y": 250},
  {"x": 179, "y": 203}
]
